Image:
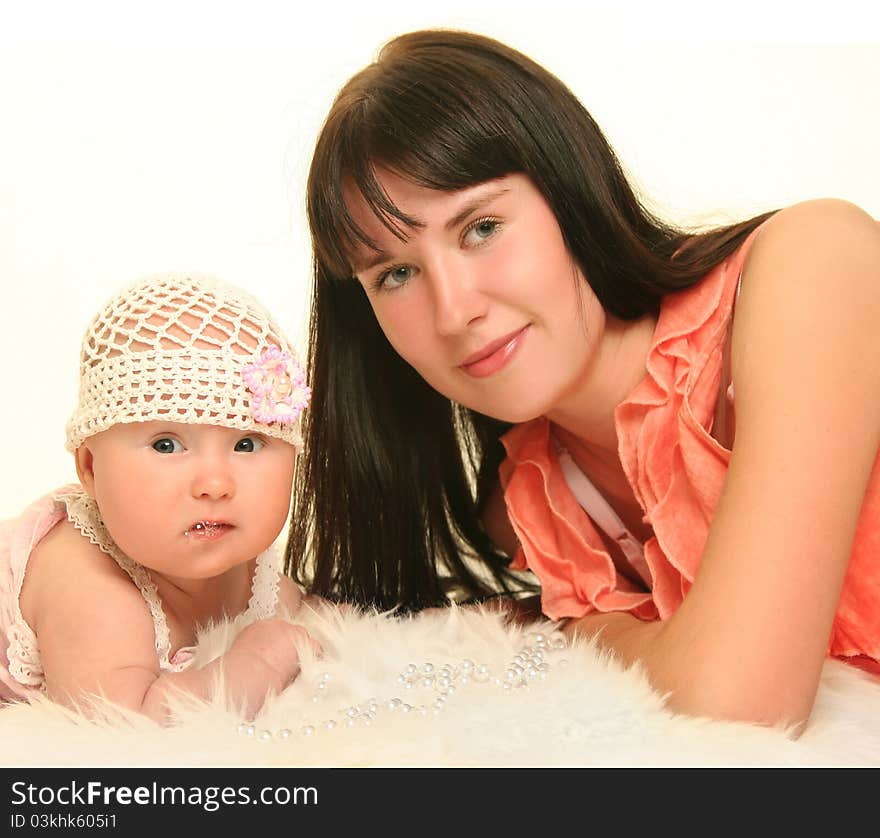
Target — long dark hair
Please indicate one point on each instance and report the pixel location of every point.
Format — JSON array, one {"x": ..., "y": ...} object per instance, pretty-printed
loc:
[{"x": 389, "y": 490}]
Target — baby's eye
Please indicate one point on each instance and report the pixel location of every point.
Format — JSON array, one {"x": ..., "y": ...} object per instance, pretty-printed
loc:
[
  {"x": 249, "y": 444},
  {"x": 481, "y": 230},
  {"x": 167, "y": 445}
]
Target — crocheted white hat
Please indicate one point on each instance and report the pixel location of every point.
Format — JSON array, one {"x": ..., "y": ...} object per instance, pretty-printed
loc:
[{"x": 188, "y": 349}]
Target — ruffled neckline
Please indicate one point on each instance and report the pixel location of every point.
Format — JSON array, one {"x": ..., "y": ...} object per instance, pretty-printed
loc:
[{"x": 674, "y": 466}]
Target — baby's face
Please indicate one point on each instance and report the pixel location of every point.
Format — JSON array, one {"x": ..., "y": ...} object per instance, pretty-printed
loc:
[{"x": 189, "y": 501}]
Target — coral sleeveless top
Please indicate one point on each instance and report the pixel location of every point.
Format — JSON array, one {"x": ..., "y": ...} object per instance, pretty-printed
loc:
[{"x": 676, "y": 470}]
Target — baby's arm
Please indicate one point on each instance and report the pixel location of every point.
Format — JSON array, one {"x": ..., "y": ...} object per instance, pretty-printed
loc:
[
  {"x": 96, "y": 636},
  {"x": 290, "y": 597},
  {"x": 262, "y": 660}
]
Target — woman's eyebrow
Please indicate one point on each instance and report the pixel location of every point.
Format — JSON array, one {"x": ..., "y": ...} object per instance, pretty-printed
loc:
[
  {"x": 379, "y": 256},
  {"x": 474, "y": 204}
]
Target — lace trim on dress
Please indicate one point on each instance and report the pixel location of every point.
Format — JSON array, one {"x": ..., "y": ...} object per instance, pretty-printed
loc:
[
  {"x": 83, "y": 513},
  {"x": 22, "y": 652},
  {"x": 261, "y": 604},
  {"x": 264, "y": 588}
]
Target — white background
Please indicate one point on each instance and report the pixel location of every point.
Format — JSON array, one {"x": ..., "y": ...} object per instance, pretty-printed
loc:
[{"x": 147, "y": 137}]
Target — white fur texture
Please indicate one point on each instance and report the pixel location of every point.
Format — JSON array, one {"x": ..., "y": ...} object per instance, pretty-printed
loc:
[{"x": 586, "y": 712}]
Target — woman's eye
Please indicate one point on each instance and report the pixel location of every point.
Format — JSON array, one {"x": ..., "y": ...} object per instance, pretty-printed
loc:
[
  {"x": 395, "y": 277},
  {"x": 167, "y": 445},
  {"x": 481, "y": 230},
  {"x": 249, "y": 444}
]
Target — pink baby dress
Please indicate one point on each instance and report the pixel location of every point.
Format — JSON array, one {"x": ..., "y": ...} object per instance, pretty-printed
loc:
[{"x": 21, "y": 672}]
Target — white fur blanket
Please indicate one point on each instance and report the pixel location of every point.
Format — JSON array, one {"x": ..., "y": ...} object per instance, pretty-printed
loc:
[{"x": 573, "y": 707}]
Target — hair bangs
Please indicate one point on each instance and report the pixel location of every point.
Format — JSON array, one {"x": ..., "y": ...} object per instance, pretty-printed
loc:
[
  {"x": 431, "y": 124},
  {"x": 346, "y": 169}
]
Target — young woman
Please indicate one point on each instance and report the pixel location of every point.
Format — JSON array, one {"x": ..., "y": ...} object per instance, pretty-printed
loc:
[{"x": 512, "y": 359}]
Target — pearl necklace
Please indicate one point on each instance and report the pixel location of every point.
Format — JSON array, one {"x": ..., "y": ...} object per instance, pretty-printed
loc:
[{"x": 533, "y": 661}]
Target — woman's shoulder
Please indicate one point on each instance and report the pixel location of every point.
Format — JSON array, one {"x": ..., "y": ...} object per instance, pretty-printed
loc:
[
  {"x": 820, "y": 209},
  {"x": 816, "y": 227},
  {"x": 812, "y": 268}
]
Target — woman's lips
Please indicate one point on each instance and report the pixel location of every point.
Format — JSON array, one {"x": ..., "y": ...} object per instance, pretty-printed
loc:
[
  {"x": 207, "y": 530},
  {"x": 495, "y": 355}
]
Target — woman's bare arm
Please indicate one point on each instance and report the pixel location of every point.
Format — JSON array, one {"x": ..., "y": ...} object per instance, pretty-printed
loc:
[{"x": 750, "y": 638}]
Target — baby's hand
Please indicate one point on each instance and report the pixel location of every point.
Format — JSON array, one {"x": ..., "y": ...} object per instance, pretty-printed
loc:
[{"x": 274, "y": 643}]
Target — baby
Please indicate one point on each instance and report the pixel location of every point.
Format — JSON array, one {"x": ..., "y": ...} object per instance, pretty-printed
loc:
[{"x": 185, "y": 437}]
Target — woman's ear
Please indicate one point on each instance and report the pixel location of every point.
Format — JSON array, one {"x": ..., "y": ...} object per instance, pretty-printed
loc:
[{"x": 85, "y": 468}]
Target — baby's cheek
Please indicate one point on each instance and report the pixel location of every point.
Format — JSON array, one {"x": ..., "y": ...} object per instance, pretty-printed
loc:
[{"x": 271, "y": 501}]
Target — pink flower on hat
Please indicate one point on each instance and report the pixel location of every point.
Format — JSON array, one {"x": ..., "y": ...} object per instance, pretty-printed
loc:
[{"x": 278, "y": 385}]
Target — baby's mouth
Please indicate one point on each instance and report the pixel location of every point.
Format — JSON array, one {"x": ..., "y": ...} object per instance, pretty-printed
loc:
[{"x": 207, "y": 529}]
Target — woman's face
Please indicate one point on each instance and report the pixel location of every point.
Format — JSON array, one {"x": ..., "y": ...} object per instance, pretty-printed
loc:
[{"x": 483, "y": 299}]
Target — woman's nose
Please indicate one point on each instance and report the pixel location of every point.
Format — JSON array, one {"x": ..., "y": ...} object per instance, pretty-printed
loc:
[{"x": 458, "y": 300}]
